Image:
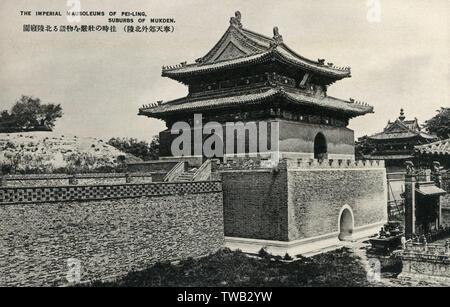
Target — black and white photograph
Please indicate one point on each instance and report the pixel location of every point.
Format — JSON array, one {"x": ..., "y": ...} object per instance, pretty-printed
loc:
[{"x": 224, "y": 149}]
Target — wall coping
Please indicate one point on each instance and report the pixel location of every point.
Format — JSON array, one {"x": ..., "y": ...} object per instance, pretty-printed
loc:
[
  {"x": 79, "y": 175},
  {"x": 68, "y": 193},
  {"x": 154, "y": 162},
  {"x": 312, "y": 164},
  {"x": 243, "y": 170},
  {"x": 333, "y": 164},
  {"x": 101, "y": 185}
]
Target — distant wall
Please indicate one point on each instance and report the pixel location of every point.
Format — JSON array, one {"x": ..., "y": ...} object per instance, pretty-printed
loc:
[
  {"x": 110, "y": 229},
  {"x": 81, "y": 179},
  {"x": 151, "y": 166},
  {"x": 294, "y": 138},
  {"x": 297, "y": 137}
]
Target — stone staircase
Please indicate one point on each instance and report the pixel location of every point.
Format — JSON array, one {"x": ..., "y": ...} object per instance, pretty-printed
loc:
[
  {"x": 185, "y": 176},
  {"x": 179, "y": 173}
]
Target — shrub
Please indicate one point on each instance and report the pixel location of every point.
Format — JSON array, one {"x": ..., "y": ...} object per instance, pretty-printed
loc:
[
  {"x": 142, "y": 149},
  {"x": 264, "y": 254},
  {"x": 287, "y": 257}
]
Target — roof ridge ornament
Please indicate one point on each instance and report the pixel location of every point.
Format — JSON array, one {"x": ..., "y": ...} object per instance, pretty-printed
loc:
[
  {"x": 276, "y": 35},
  {"x": 236, "y": 20},
  {"x": 402, "y": 115},
  {"x": 277, "y": 38}
]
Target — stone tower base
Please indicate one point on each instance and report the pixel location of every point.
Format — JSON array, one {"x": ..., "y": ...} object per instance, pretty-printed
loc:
[{"x": 301, "y": 207}]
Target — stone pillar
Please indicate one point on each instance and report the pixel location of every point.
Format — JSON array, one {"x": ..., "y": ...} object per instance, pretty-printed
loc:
[
  {"x": 410, "y": 205},
  {"x": 2, "y": 179},
  {"x": 127, "y": 178},
  {"x": 427, "y": 175},
  {"x": 437, "y": 177},
  {"x": 73, "y": 180},
  {"x": 403, "y": 240}
]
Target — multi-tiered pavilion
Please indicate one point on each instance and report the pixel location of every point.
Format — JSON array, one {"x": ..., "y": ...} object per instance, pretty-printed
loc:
[
  {"x": 395, "y": 144},
  {"x": 318, "y": 194},
  {"x": 247, "y": 77}
]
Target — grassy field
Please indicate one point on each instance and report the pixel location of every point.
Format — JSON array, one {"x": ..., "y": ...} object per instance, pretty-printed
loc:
[{"x": 339, "y": 268}]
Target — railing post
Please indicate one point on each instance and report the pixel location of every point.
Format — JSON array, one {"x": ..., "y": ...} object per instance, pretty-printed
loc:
[
  {"x": 73, "y": 180},
  {"x": 437, "y": 176},
  {"x": 427, "y": 175}
]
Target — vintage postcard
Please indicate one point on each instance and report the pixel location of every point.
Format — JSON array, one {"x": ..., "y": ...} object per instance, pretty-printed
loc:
[{"x": 243, "y": 144}]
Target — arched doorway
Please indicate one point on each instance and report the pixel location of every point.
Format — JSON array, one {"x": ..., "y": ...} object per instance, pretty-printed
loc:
[
  {"x": 320, "y": 147},
  {"x": 346, "y": 223}
]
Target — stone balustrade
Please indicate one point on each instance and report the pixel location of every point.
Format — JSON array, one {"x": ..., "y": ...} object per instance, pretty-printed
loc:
[{"x": 429, "y": 249}]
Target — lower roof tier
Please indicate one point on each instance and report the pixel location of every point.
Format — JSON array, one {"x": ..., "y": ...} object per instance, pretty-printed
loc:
[
  {"x": 262, "y": 97},
  {"x": 441, "y": 147},
  {"x": 407, "y": 136}
]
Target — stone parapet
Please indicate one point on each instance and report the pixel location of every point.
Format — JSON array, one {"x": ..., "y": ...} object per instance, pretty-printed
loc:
[
  {"x": 41, "y": 194},
  {"x": 333, "y": 164}
]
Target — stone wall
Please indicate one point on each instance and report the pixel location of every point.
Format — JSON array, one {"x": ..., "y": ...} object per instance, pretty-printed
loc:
[
  {"x": 151, "y": 166},
  {"x": 12, "y": 195},
  {"x": 316, "y": 198},
  {"x": 302, "y": 199},
  {"x": 111, "y": 229},
  {"x": 298, "y": 137},
  {"x": 255, "y": 204}
]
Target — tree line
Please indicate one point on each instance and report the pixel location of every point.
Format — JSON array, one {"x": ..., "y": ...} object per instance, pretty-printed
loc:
[{"x": 29, "y": 114}]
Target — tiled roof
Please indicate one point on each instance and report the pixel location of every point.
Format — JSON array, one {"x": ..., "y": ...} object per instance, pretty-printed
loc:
[
  {"x": 279, "y": 53},
  {"x": 192, "y": 68},
  {"x": 387, "y": 157},
  {"x": 187, "y": 104},
  {"x": 251, "y": 47},
  {"x": 410, "y": 124},
  {"x": 436, "y": 148},
  {"x": 401, "y": 129},
  {"x": 327, "y": 102},
  {"x": 430, "y": 188},
  {"x": 400, "y": 135}
]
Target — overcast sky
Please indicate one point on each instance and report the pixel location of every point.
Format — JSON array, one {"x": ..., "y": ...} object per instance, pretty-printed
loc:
[{"x": 102, "y": 79}]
